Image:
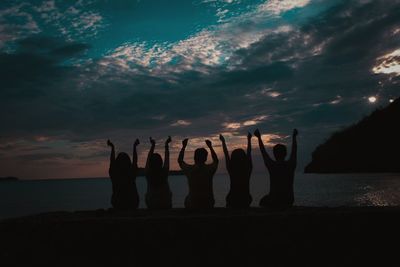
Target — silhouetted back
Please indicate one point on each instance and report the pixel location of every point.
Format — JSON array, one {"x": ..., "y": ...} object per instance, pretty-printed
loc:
[
  {"x": 125, "y": 195},
  {"x": 200, "y": 181},
  {"x": 158, "y": 195},
  {"x": 239, "y": 169},
  {"x": 281, "y": 174},
  {"x": 200, "y": 177},
  {"x": 239, "y": 166}
]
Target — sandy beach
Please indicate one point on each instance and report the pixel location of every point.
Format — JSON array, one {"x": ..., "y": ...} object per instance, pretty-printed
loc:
[{"x": 178, "y": 237}]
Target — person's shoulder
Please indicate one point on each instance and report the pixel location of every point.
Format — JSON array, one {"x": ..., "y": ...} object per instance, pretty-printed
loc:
[
  {"x": 187, "y": 167},
  {"x": 184, "y": 165}
]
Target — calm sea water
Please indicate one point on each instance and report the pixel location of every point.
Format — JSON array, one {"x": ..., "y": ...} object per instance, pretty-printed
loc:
[{"x": 29, "y": 197}]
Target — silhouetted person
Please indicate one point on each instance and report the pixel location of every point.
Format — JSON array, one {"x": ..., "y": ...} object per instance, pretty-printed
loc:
[
  {"x": 239, "y": 166},
  {"x": 281, "y": 174},
  {"x": 158, "y": 195},
  {"x": 200, "y": 177},
  {"x": 123, "y": 178}
]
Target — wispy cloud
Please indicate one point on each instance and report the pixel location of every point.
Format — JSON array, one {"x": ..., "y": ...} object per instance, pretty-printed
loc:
[
  {"x": 181, "y": 123},
  {"x": 277, "y": 7},
  {"x": 251, "y": 122},
  {"x": 388, "y": 64},
  {"x": 72, "y": 21},
  {"x": 16, "y": 23}
]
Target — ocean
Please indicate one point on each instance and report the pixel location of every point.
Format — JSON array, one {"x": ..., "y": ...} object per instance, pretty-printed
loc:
[{"x": 20, "y": 198}]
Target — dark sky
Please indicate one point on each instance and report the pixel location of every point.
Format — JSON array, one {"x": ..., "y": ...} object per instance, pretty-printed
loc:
[{"x": 74, "y": 73}]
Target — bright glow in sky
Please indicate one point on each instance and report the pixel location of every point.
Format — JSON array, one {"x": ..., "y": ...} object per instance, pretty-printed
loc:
[{"x": 372, "y": 99}]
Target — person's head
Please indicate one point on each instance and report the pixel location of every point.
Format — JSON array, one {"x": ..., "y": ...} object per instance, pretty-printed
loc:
[
  {"x": 200, "y": 156},
  {"x": 239, "y": 161},
  {"x": 123, "y": 163},
  {"x": 238, "y": 155},
  {"x": 155, "y": 162},
  {"x": 280, "y": 152}
]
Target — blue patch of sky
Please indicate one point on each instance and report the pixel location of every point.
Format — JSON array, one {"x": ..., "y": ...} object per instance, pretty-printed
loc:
[
  {"x": 163, "y": 22},
  {"x": 160, "y": 21},
  {"x": 156, "y": 21}
]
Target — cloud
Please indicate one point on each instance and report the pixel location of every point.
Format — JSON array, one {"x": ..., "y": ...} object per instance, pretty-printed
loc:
[
  {"x": 181, "y": 123},
  {"x": 201, "y": 52},
  {"x": 311, "y": 72},
  {"x": 250, "y": 122},
  {"x": 388, "y": 64},
  {"x": 277, "y": 7},
  {"x": 134, "y": 84},
  {"x": 75, "y": 21},
  {"x": 16, "y": 22},
  {"x": 46, "y": 6}
]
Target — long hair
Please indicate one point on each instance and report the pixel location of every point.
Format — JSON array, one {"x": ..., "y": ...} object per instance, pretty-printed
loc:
[
  {"x": 123, "y": 164},
  {"x": 239, "y": 161},
  {"x": 155, "y": 163}
]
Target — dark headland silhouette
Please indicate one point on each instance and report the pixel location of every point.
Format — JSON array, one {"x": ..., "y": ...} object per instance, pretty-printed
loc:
[{"x": 369, "y": 146}]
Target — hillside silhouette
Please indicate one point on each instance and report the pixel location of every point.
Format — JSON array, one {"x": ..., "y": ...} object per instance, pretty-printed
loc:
[{"x": 369, "y": 146}]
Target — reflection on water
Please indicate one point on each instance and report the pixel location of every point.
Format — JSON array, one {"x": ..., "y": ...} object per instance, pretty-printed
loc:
[{"x": 28, "y": 197}]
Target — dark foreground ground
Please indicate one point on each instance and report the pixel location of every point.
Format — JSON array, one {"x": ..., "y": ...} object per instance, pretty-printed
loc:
[{"x": 220, "y": 237}]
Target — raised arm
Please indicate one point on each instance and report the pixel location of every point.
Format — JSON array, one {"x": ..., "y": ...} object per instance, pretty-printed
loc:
[
  {"x": 225, "y": 149},
  {"x": 112, "y": 155},
  {"x": 134, "y": 154},
  {"x": 166, "y": 156},
  {"x": 266, "y": 157},
  {"x": 293, "y": 155},
  {"x": 213, "y": 154},
  {"x": 181, "y": 156},
  {"x": 249, "y": 148},
  {"x": 151, "y": 151}
]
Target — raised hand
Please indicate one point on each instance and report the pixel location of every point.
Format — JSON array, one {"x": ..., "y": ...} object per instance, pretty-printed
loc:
[
  {"x": 249, "y": 135},
  {"x": 185, "y": 142},
  {"x": 257, "y": 133},
  {"x": 295, "y": 132},
  {"x": 152, "y": 141},
  {"x": 109, "y": 143},
  {"x": 208, "y": 143},
  {"x": 168, "y": 140},
  {"x": 136, "y": 142},
  {"x": 222, "y": 138}
]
